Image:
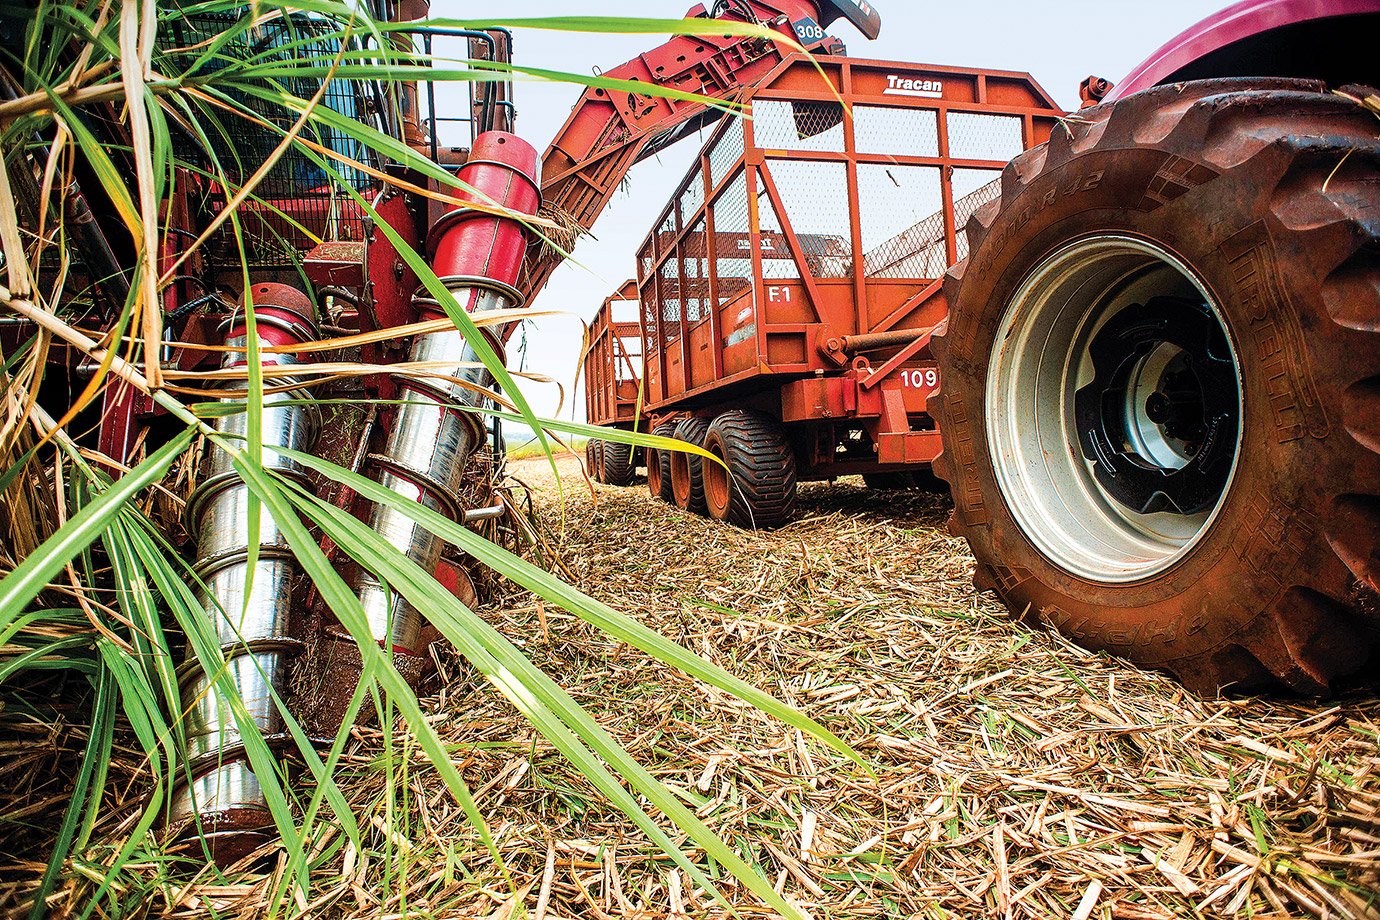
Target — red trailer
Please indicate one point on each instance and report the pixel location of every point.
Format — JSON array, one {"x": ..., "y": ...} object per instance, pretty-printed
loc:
[
  {"x": 790, "y": 288},
  {"x": 612, "y": 368}
]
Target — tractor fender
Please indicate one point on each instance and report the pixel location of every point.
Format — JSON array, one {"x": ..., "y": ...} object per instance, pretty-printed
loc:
[{"x": 1248, "y": 31}]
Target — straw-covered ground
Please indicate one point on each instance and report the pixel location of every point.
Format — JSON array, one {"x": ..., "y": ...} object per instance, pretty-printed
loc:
[{"x": 1016, "y": 774}]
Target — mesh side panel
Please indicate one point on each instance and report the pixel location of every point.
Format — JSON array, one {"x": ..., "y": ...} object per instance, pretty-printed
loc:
[
  {"x": 732, "y": 256},
  {"x": 902, "y": 220},
  {"x": 973, "y": 188},
  {"x": 295, "y": 185},
  {"x": 815, "y": 196},
  {"x": 780, "y": 125},
  {"x": 646, "y": 287},
  {"x": 777, "y": 261},
  {"x": 623, "y": 310},
  {"x": 666, "y": 233},
  {"x": 669, "y": 287},
  {"x": 974, "y": 136},
  {"x": 726, "y": 152},
  {"x": 695, "y": 260},
  {"x": 895, "y": 130},
  {"x": 691, "y": 199},
  {"x": 630, "y": 348}
]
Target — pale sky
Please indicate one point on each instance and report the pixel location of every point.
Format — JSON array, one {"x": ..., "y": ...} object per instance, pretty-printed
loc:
[{"x": 1058, "y": 43}]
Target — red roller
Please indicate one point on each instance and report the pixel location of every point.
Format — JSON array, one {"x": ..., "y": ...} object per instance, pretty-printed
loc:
[
  {"x": 473, "y": 245},
  {"x": 283, "y": 315}
]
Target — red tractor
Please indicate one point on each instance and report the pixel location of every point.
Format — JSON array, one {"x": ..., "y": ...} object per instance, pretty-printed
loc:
[{"x": 1160, "y": 395}]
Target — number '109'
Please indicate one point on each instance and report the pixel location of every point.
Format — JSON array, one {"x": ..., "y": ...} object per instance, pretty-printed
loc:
[{"x": 920, "y": 377}]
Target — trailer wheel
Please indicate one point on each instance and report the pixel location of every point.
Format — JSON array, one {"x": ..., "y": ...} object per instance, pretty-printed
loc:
[
  {"x": 1161, "y": 384},
  {"x": 618, "y": 463},
  {"x": 757, "y": 489},
  {"x": 592, "y": 459},
  {"x": 687, "y": 477},
  {"x": 597, "y": 469},
  {"x": 659, "y": 465}
]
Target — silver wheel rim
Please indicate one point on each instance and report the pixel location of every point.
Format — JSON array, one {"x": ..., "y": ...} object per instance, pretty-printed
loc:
[{"x": 1073, "y": 509}]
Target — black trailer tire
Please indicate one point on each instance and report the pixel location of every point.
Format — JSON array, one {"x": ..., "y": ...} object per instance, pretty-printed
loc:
[
  {"x": 618, "y": 463},
  {"x": 687, "y": 475},
  {"x": 1191, "y": 275},
  {"x": 756, "y": 485},
  {"x": 659, "y": 465}
]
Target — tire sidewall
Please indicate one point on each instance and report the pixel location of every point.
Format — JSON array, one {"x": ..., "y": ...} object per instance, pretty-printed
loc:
[
  {"x": 714, "y": 443},
  {"x": 598, "y": 461}
]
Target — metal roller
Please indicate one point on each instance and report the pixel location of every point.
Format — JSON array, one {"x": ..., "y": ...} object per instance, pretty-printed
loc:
[
  {"x": 477, "y": 256},
  {"x": 250, "y": 607}
]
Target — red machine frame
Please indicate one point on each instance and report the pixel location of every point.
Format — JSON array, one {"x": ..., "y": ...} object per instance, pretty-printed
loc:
[
  {"x": 613, "y": 374},
  {"x": 827, "y": 332}
]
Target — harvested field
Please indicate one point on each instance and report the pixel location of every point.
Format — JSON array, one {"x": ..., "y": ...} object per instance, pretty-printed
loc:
[{"x": 1017, "y": 775}]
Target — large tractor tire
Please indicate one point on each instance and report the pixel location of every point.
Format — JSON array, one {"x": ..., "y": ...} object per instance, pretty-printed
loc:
[
  {"x": 659, "y": 465},
  {"x": 618, "y": 463},
  {"x": 1161, "y": 384},
  {"x": 687, "y": 474},
  {"x": 757, "y": 487}
]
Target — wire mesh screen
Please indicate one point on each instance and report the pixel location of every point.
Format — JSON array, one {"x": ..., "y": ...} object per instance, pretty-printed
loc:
[
  {"x": 896, "y": 129},
  {"x": 646, "y": 286},
  {"x": 694, "y": 260},
  {"x": 668, "y": 291},
  {"x": 973, "y": 188},
  {"x": 666, "y": 233},
  {"x": 732, "y": 242},
  {"x": 691, "y": 199},
  {"x": 628, "y": 357},
  {"x": 974, "y": 136},
  {"x": 299, "y": 199},
  {"x": 900, "y": 210},
  {"x": 779, "y": 125},
  {"x": 815, "y": 196},
  {"x": 623, "y": 310},
  {"x": 726, "y": 151},
  {"x": 777, "y": 261}
]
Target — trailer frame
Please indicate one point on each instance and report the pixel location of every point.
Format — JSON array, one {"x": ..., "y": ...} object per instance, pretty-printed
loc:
[{"x": 816, "y": 308}]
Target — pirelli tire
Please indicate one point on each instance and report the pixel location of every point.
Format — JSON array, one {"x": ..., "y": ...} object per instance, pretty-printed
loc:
[
  {"x": 659, "y": 465},
  {"x": 687, "y": 476},
  {"x": 1245, "y": 214},
  {"x": 755, "y": 488},
  {"x": 618, "y": 463}
]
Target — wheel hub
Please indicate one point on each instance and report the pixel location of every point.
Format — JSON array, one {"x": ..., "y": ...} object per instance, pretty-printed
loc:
[
  {"x": 1158, "y": 421},
  {"x": 1113, "y": 409}
]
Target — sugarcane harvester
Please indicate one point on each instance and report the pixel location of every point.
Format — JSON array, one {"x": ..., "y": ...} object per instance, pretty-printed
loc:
[
  {"x": 435, "y": 428},
  {"x": 317, "y": 266}
]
